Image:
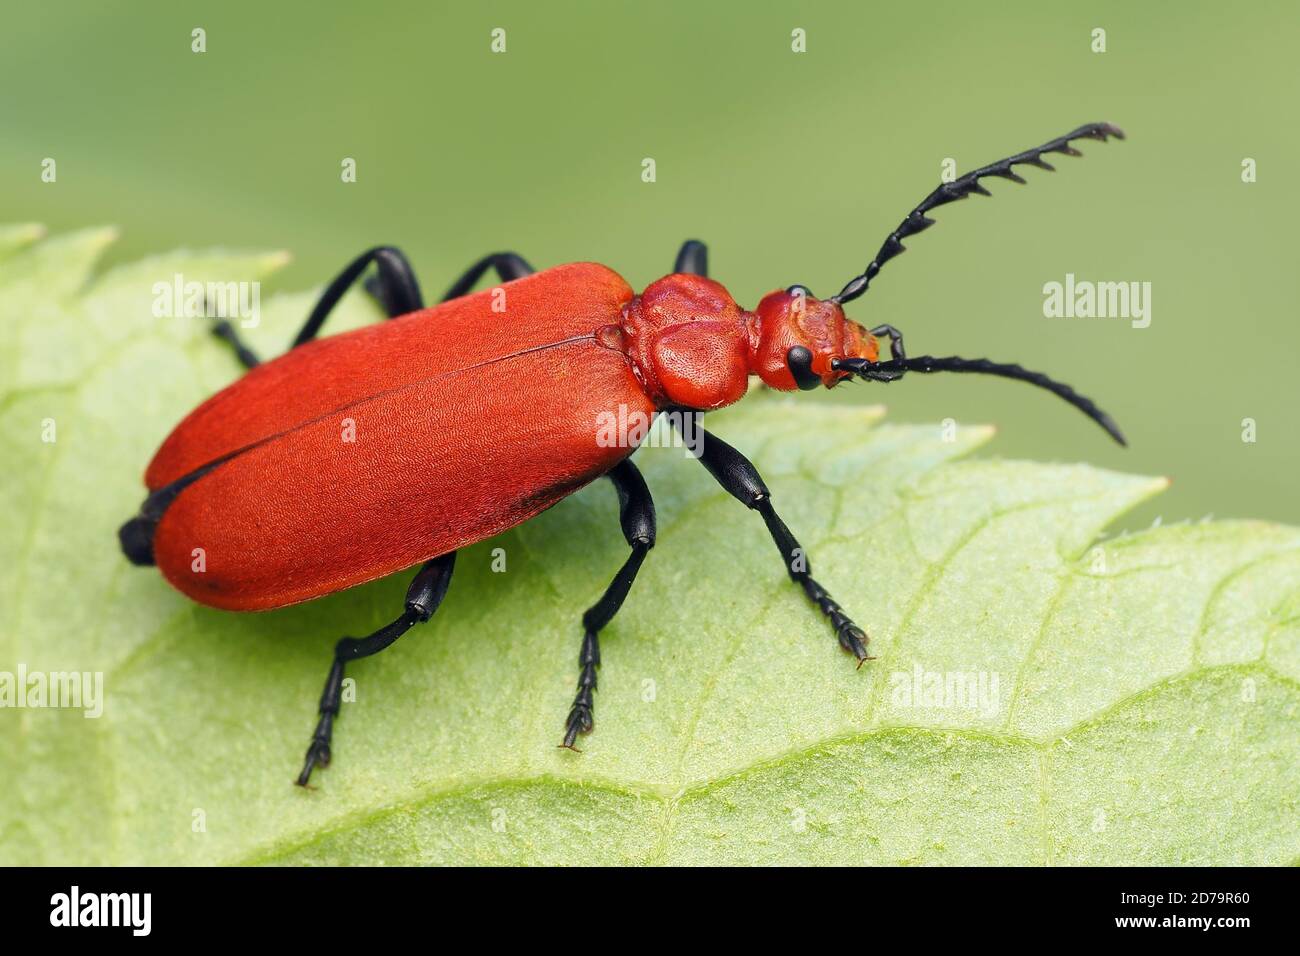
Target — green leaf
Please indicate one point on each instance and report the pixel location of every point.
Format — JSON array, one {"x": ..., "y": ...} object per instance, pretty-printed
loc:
[{"x": 1140, "y": 694}]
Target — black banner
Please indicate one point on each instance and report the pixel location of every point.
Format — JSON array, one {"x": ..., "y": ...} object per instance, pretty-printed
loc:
[{"x": 301, "y": 905}]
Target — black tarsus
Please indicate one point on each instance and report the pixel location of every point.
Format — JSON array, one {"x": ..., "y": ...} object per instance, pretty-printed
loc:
[
  {"x": 892, "y": 369},
  {"x": 962, "y": 187}
]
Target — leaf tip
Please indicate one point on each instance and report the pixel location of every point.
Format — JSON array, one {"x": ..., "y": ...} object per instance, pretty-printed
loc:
[
  {"x": 28, "y": 231},
  {"x": 873, "y": 413},
  {"x": 104, "y": 235},
  {"x": 277, "y": 260}
]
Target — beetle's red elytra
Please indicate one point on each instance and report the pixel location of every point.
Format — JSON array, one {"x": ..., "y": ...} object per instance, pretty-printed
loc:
[{"x": 466, "y": 426}]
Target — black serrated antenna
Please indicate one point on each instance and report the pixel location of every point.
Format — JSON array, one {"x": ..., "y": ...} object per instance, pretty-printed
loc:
[
  {"x": 886, "y": 371},
  {"x": 960, "y": 188}
]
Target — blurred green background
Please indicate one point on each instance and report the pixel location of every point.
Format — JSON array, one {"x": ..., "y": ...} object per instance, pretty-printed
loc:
[{"x": 792, "y": 166}]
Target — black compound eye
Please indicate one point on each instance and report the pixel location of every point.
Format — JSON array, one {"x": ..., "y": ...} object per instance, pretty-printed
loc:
[
  {"x": 800, "y": 290},
  {"x": 799, "y": 361}
]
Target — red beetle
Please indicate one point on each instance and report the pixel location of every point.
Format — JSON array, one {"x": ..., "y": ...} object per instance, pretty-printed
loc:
[{"x": 473, "y": 425}]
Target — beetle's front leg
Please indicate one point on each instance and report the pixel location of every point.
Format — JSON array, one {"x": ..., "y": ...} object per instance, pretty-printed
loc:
[
  {"x": 692, "y": 259},
  {"x": 637, "y": 517},
  {"x": 741, "y": 479}
]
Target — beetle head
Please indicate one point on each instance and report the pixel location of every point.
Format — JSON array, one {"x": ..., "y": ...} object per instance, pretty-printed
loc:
[{"x": 800, "y": 336}]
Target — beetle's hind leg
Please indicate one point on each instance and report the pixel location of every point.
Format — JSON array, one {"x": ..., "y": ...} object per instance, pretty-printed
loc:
[
  {"x": 395, "y": 289},
  {"x": 422, "y": 598},
  {"x": 393, "y": 285},
  {"x": 223, "y": 330},
  {"x": 637, "y": 516},
  {"x": 508, "y": 265}
]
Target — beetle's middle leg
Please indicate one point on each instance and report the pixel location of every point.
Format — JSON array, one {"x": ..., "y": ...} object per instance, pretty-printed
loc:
[
  {"x": 741, "y": 479},
  {"x": 636, "y": 513},
  {"x": 422, "y": 598}
]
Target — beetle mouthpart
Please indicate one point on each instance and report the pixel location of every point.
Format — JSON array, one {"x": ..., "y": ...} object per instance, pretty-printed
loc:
[
  {"x": 926, "y": 364},
  {"x": 867, "y": 369}
]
